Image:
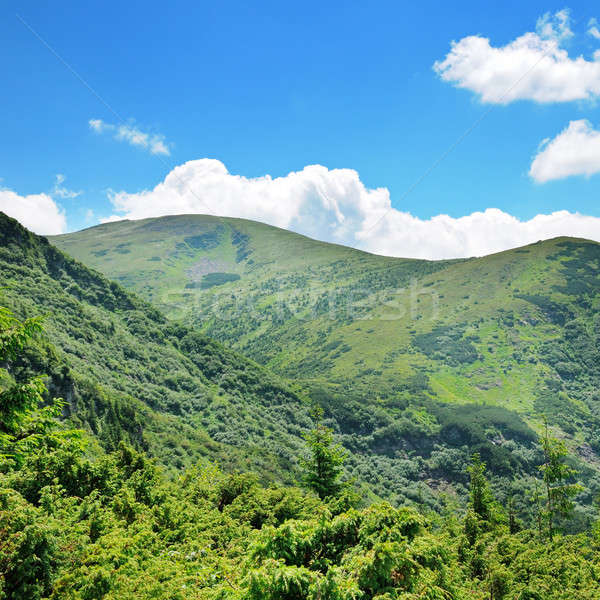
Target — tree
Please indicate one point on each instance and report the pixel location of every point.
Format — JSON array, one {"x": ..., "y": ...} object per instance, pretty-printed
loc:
[
  {"x": 556, "y": 474},
  {"x": 481, "y": 498},
  {"x": 323, "y": 468},
  {"x": 514, "y": 525},
  {"x": 536, "y": 498},
  {"x": 24, "y": 421}
]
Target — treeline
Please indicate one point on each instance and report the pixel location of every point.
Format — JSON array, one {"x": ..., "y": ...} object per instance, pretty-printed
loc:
[{"x": 77, "y": 523}]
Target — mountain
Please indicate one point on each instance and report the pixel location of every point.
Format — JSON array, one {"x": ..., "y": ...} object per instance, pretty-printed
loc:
[
  {"x": 128, "y": 373},
  {"x": 410, "y": 358}
]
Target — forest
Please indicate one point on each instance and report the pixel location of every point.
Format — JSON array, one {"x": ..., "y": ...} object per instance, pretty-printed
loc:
[{"x": 79, "y": 522}]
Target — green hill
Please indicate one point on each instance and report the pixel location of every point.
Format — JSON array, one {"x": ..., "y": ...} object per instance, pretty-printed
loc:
[
  {"x": 127, "y": 373},
  {"x": 410, "y": 358}
]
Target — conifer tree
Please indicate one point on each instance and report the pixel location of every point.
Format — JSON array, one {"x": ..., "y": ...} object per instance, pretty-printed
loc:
[
  {"x": 323, "y": 467},
  {"x": 481, "y": 498},
  {"x": 556, "y": 474}
]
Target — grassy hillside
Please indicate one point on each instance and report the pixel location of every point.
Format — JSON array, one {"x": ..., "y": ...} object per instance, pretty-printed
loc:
[
  {"x": 484, "y": 330},
  {"x": 127, "y": 373},
  {"x": 416, "y": 362},
  {"x": 90, "y": 525}
]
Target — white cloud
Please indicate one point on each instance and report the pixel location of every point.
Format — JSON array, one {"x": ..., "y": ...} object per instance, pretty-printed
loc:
[
  {"x": 335, "y": 206},
  {"x": 574, "y": 151},
  {"x": 593, "y": 28},
  {"x": 37, "y": 212},
  {"x": 534, "y": 66},
  {"x": 555, "y": 26},
  {"x": 477, "y": 234},
  {"x": 99, "y": 126},
  {"x": 154, "y": 143},
  {"x": 60, "y": 190}
]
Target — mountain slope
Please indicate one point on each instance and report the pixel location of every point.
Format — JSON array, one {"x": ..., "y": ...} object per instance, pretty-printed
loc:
[
  {"x": 410, "y": 358},
  {"x": 128, "y": 373},
  {"x": 317, "y": 311}
]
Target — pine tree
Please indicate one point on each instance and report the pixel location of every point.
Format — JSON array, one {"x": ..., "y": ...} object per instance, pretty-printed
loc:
[
  {"x": 480, "y": 495},
  {"x": 556, "y": 473},
  {"x": 323, "y": 467},
  {"x": 537, "y": 500},
  {"x": 514, "y": 525}
]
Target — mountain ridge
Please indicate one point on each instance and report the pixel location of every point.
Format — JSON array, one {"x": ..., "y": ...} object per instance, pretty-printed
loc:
[
  {"x": 224, "y": 219},
  {"x": 409, "y": 358}
]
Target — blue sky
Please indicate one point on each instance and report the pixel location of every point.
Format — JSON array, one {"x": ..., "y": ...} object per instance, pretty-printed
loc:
[{"x": 271, "y": 87}]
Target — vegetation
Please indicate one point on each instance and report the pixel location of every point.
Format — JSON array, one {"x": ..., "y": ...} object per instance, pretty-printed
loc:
[
  {"x": 480, "y": 495},
  {"x": 77, "y": 523},
  {"x": 453, "y": 458},
  {"x": 517, "y": 330},
  {"x": 323, "y": 468},
  {"x": 211, "y": 279},
  {"x": 128, "y": 374},
  {"x": 409, "y": 397},
  {"x": 557, "y": 474}
]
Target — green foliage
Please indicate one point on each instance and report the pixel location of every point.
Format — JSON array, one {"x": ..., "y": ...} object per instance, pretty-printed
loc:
[
  {"x": 205, "y": 241},
  {"x": 481, "y": 499},
  {"x": 557, "y": 475},
  {"x": 211, "y": 279},
  {"x": 81, "y": 526},
  {"x": 28, "y": 552},
  {"x": 126, "y": 373},
  {"x": 418, "y": 364},
  {"x": 448, "y": 344},
  {"x": 25, "y": 424},
  {"x": 323, "y": 468}
]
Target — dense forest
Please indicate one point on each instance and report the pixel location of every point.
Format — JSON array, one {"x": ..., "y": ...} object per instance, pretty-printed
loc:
[{"x": 78, "y": 522}]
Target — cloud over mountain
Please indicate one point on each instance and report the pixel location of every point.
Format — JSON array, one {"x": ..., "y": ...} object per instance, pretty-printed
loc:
[
  {"x": 334, "y": 205},
  {"x": 38, "y": 212}
]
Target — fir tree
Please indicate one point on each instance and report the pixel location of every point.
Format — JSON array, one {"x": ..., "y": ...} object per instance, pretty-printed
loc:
[
  {"x": 323, "y": 467},
  {"x": 481, "y": 498},
  {"x": 556, "y": 474}
]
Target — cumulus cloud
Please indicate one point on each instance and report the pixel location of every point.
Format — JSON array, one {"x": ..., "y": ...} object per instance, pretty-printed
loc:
[
  {"x": 574, "y": 151},
  {"x": 37, "y": 212},
  {"x": 593, "y": 28},
  {"x": 534, "y": 66},
  {"x": 477, "y": 234},
  {"x": 315, "y": 201},
  {"x": 153, "y": 143},
  {"x": 335, "y": 206}
]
